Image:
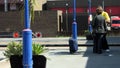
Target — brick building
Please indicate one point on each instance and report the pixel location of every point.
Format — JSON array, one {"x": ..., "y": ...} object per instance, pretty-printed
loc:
[
  {"x": 49, "y": 21},
  {"x": 12, "y": 20}
]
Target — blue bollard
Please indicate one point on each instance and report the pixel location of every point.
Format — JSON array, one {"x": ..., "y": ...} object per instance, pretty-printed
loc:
[
  {"x": 74, "y": 30},
  {"x": 27, "y": 39},
  {"x": 27, "y": 48},
  {"x": 73, "y": 45}
]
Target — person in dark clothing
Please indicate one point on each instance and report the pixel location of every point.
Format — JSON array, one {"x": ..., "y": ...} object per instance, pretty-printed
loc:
[
  {"x": 99, "y": 31},
  {"x": 107, "y": 20}
]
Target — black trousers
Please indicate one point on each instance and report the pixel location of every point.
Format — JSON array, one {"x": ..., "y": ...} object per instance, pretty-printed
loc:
[
  {"x": 98, "y": 42},
  {"x": 105, "y": 43}
]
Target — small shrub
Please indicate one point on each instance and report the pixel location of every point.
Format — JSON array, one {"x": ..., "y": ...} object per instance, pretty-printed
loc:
[
  {"x": 37, "y": 49},
  {"x": 14, "y": 48}
]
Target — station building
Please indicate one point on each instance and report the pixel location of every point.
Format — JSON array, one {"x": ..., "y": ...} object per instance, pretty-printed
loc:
[{"x": 57, "y": 13}]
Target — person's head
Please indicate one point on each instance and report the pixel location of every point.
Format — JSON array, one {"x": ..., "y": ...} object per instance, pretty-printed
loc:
[{"x": 99, "y": 10}]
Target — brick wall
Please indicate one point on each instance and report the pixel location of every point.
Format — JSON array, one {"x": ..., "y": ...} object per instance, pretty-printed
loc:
[
  {"x": 45, "y": 22},
  {"x": 10, "y": 21}
]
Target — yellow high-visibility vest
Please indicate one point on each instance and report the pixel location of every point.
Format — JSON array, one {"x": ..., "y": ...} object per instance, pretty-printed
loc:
[{"x": 105, "y": 14}]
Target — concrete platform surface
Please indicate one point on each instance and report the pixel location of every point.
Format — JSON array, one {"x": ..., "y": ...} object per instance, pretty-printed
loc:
[
  {"x": 59, "y": 57},
  {"x": 58, "y": 41}
]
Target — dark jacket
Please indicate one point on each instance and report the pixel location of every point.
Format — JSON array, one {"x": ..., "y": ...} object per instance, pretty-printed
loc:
[{"x": 98, "y": 24}]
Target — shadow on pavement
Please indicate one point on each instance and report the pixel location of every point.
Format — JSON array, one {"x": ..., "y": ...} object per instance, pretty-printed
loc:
[
  {"x": 104, "y": 60},
  {"x": 65, "y": 52},
  {"x": 1, "y": 59}
]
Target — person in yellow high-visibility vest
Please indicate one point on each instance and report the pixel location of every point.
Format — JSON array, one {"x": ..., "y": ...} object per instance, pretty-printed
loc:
[
  {"x": 107, "y": 20},
  {"x": 104, "y": 14}
]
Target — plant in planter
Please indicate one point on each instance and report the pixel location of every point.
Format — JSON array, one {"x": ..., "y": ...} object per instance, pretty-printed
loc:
[
  {"x": 14, "y": 53},
  {"x": 13, "y": 48},
  {"x": 37, "y": 49},
  {"x": 39, "y": 61}
]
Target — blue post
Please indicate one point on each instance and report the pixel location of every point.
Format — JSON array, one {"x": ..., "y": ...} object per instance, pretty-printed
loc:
[
  {"x": 27, "y": 39},
  {"x": 27, "y": 16},
  {"x": 74, "y": 24},
  {"x": 89, "y": 16},
  {"x": 73, "y": 41}
]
